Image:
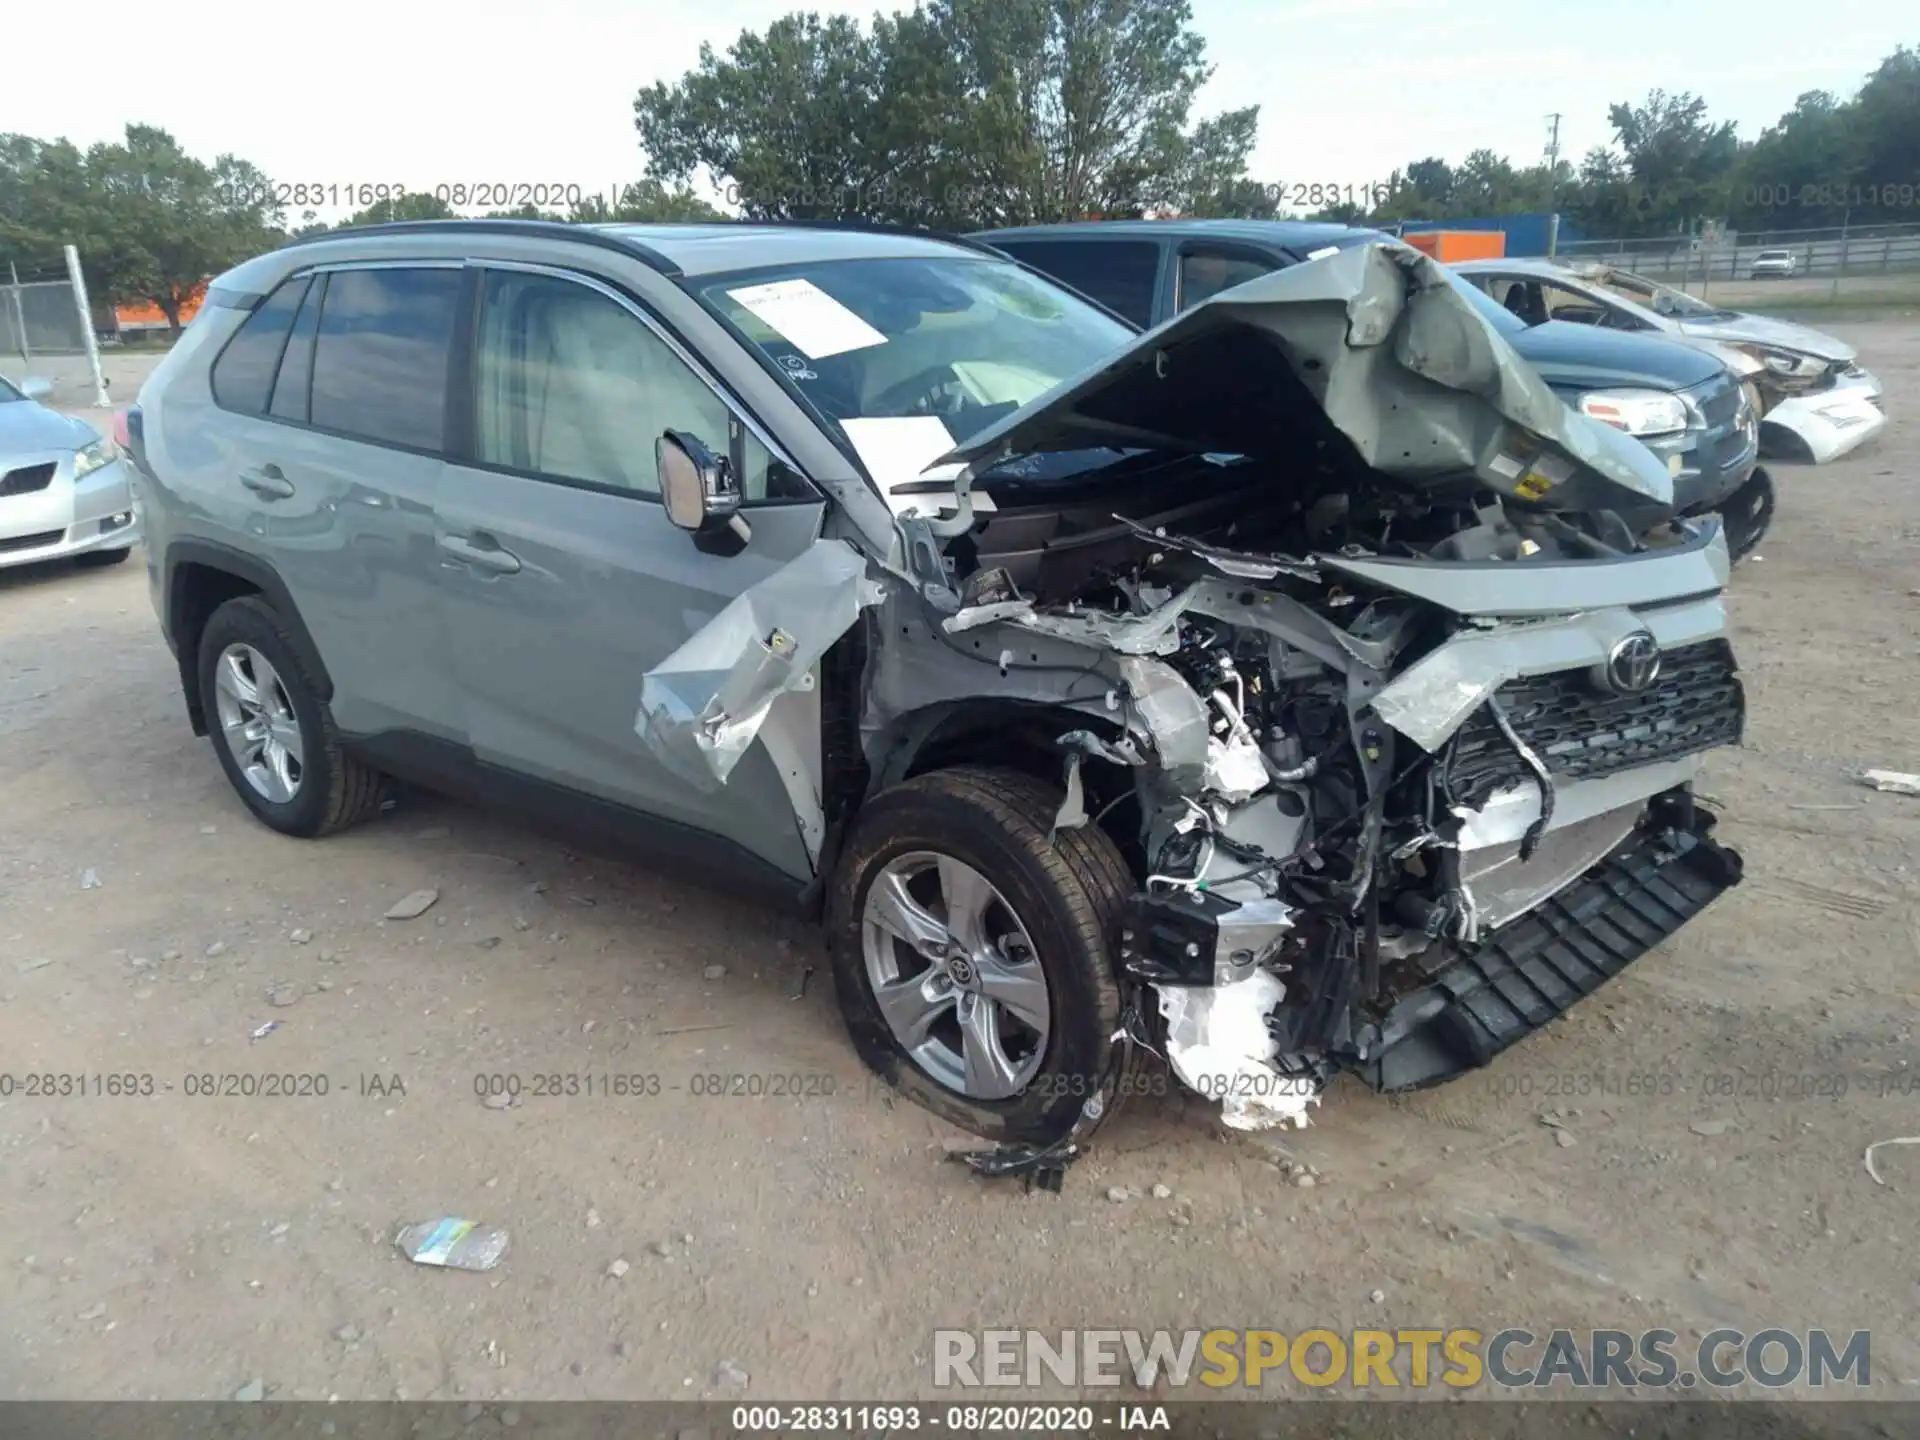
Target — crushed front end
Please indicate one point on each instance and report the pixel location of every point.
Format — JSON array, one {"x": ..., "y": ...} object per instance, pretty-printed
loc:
[{"x": 1412, "y": 731}]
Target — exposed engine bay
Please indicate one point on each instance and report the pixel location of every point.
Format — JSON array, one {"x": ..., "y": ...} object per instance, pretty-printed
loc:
[
  {"x": 1346, "y": 787},
  {"x": 1339, "y": 636}
]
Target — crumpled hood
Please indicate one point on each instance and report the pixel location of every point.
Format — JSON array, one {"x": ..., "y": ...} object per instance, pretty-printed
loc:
[
  {"x": 1765, "y": 330},
  {"x": 27, "y": 428},
  {"x": 1372, "y": 345}
]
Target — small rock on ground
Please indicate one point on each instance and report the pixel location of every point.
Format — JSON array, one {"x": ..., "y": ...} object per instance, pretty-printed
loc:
[
  {"x": 618, "y": 1269},
  {"x": 253, "y": 1390},
  {"x": 714, "y": 972},
  {"x": 407, "y": 907},
  {"x": 728, "y": 1375}
]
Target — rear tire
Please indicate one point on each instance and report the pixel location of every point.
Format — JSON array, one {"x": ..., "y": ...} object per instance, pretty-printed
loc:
[
  {"x": 1064, "y": 897},
  {"x": 100, "y": 559},
  {"x": 244, "y": 649}
]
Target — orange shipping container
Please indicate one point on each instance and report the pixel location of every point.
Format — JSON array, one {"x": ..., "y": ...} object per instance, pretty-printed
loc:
[
  {"x": 148, "y": 316},
  {"x": 1448, "y": 246}
]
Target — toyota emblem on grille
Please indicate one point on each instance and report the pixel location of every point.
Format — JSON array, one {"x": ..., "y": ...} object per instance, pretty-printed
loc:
[{"x": 1633, "y": 663}]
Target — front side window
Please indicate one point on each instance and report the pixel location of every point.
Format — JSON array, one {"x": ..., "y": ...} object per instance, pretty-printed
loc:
[
  {"x": 242, "y": 377},
  {"x": 964, "y": 339},
  {"x": 571, "y": 385},
  {"x": 381, "y": 352}
]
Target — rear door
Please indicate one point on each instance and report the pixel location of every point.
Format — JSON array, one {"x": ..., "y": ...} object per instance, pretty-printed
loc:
[
  {"x": 336, "y": 397},
  {"x": 561, "y": 579}
]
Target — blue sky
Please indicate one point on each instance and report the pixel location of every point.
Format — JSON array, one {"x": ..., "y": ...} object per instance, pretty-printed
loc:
[{"x": 360, "y": 91}]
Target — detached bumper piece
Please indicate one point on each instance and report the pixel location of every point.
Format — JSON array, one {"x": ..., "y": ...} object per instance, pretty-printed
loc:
[{"x": 1483, "y": 999}]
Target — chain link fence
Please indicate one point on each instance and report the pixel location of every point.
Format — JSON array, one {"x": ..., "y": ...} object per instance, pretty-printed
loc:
[{"x": 46, "y": 331}]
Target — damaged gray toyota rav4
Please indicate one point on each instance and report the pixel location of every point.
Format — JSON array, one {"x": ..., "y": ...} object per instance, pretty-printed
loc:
[{"x": 1277, "y": 693}]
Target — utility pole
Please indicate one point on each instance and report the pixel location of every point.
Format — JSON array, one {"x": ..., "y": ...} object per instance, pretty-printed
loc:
[{"x": 1553, "y": 185}]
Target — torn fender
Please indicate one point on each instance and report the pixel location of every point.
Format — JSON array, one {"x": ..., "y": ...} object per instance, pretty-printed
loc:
[{"x": 703, "y": 705}]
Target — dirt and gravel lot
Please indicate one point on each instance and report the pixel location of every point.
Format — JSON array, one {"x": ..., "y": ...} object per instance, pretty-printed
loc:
[{"x": 1676, "y": 1153}]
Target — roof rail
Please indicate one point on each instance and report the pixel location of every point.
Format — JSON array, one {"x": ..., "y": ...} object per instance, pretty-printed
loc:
[
  {"x": 871, "y": 227},
  {"x": 554, "y": 229}
]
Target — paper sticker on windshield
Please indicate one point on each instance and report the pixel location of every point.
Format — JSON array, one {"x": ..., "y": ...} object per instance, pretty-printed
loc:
[
  {"x": 813, "y": 320},
  {"x": 896, "y": 448}
]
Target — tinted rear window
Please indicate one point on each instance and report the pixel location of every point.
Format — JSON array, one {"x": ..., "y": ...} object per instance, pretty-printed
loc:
[
  {"x": 380, "y": 360},
  {"x": 1120, "y": 274},
  {"x": 243, "y": 375}
]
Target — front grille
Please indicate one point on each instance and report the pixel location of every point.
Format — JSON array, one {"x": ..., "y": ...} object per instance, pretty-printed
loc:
[
  {"x": 1718, "y": 401},
  {"x": 27, "y": 479},
  {"x": 33, "y": 542},
  {"x": 1582, "y": 732}
]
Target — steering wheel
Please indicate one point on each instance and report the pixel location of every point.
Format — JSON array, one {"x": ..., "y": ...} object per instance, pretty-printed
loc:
[{"x": 927, "y": 393}]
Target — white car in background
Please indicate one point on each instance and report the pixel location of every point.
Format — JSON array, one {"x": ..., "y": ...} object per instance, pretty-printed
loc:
[
  {"x": 1772, "y": 265},
  {"x": 64, "y": 491},
  {"x": 1815, "y": 400}
]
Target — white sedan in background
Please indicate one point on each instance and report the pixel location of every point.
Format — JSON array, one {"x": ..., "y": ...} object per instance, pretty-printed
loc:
[
  {"x": 64, "y": 491},
  {"x": 1815, "y": 400}
]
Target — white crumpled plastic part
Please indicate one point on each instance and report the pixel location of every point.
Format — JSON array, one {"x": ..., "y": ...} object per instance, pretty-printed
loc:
[{"x": 1218, "y": 1044}]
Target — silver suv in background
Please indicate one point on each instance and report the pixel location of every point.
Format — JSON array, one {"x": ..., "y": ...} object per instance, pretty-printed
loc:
[
  {"x": 1273, "y": 693},
  {"x": 1772, "y": 265}
]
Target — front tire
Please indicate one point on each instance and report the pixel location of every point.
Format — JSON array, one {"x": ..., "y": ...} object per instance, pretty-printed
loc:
[
  {"x": 972, "y": 958},
  {"x": 275, "y": 737}
]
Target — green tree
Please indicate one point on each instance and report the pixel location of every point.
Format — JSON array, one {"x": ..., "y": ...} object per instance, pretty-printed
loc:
[
  {"x": 645, "y": 201},
  {"x": 1679, "y": 166},
  {"x": 1887, "y": 111},
  {"x": 150, "y": 221},
  {"x": 960, "y": 113},
  {"x": 414, "y": 205}
]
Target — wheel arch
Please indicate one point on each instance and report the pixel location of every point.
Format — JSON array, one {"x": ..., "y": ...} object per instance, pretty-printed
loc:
[
  {"x": 199, "y": 577},
  {"x": 1013, "y": 734}
]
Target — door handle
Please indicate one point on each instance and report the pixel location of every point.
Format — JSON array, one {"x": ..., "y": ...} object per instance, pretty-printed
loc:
[
  {"x": 481, "y": 557},
  {"x": 267, "y": 482}
]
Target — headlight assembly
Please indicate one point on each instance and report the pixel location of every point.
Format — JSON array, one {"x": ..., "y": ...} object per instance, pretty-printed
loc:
[
  {"x": 90, "y": 458},
  {"x": 1638, "y": 412}
]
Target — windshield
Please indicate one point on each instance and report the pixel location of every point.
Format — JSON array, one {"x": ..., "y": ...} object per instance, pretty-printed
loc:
[
  {"x": 957, "y": 339},
  {"x": 1664, "y": 299}
]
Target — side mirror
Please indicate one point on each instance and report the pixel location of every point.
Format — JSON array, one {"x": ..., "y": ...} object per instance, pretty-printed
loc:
[
  {"x": 697, "y": 486},
  {"x": 35, "y": 387}
]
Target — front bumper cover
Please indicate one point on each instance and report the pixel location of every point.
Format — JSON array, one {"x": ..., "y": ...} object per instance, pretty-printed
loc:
[{"x": 1475, "y": 1001}]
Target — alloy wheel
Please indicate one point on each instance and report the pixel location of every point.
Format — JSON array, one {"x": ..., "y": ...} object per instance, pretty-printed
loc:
[
  {"x": 956, "y": 975},
  {"x": 257, "y": 720}
]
